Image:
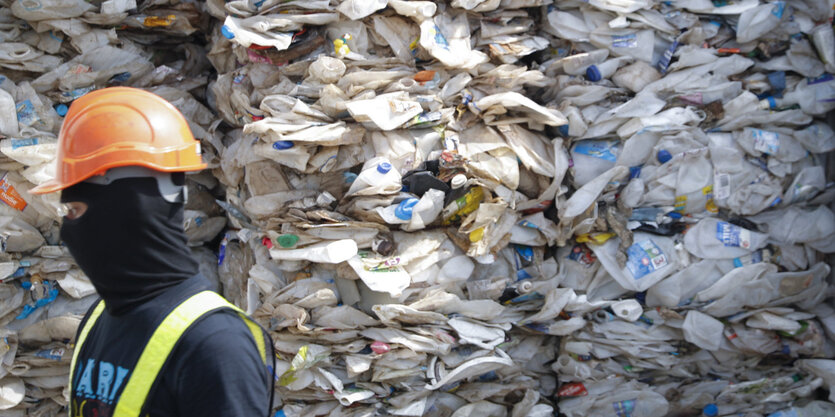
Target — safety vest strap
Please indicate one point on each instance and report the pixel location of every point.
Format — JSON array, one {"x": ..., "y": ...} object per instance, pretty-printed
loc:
[
  {"x": 162, "y": 343},
  {"x": 91, "y": 320}
]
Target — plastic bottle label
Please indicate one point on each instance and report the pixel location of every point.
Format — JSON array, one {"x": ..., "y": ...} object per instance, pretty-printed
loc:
[
  {"x": 761, "y": 255},
  {"x": 817, "y": 80},
  {"x": 624, "y": 408},
  {"x": 778, "y": 9},
  {"x": 766, "y": 142},
  {"x": 221, "y": 253},
  {"x": 721, "y": 185},
  {"x": 463, "y": 206},
  {"x": 625, "y": 41},
  {"x": 732, "y": 235},
  {"x": 681, "y": 203},
  {"x": 710, "y": 204},
  {"x": 583, "y": 255},
  {"x": 10, "y": 196},
  {"x": 54, "y": 354},
  {"x": 26, "y": 114},
  {"x": 664, "y": 62},
  {"x": 574, "y": 389},
  {"x": 20, "y": 143},
  {"x": 78, "y": 92},
  {"x": 439, "y": 38},
  {"x": 597, "y": 148},
  {"x": 645, "y": 257}
]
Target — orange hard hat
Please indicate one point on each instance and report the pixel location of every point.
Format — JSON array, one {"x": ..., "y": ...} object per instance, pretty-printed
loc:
[{"x": 121, "y": 126}]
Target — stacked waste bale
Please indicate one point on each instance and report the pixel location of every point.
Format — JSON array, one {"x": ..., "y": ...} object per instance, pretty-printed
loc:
[{"x": 498, "y": 207}]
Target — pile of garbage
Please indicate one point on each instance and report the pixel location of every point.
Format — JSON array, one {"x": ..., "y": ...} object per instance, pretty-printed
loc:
[{"x": 463, "y": 208}]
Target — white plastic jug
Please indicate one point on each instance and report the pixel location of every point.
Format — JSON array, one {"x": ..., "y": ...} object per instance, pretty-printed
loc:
[{"x": 712, "y": 238}]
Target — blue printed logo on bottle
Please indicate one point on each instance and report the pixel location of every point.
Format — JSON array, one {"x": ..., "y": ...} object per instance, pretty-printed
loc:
[
  {"x": 732, "y": 235},
  {"x": 778, "y": 9},
  {"x": 625, "y": 41},
  {"x": 624, "y": 408},
  {"x": 644, "y": 257},
  {"x": 603, "y": 149}
]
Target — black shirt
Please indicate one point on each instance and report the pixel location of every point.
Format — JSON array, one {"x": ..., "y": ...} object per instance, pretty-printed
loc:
[{"x": 214, "y": 370}]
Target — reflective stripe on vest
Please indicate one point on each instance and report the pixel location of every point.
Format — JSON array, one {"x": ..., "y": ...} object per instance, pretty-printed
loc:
[{"x": 161, "y": 344}]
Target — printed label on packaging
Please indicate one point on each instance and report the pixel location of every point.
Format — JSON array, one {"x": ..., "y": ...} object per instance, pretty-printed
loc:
[
  {"x": 221, "y": 253},
  {"x": 733, "y": 236},
  {"x": 664, "y": 62},
  {"x": 721, "y": 186},
  {"x": 645, "y": 257},
  {"x": 778, "y": 9},
  {"x": 821, "y": 79},
  {"x": 681, "y": 203},
  {"x": 758, "y": 256},
  {"x": 54, "y": 354},
  {"x": 26, "y": 114},
  {"x": 625, "y": 41},
  {"x": 439, "y": 38},
  {"x": 19, "y": 143},
  {"x": 766, "y": 142},
  {"x": 574, "y": 389},
  {"x": 624, "y": 408},
  {"x": 710, "y": 204},
  {"x": 602, "y": 149},
  {"x": 10, "y": 196},
  {"x": 582, "y": 254}
]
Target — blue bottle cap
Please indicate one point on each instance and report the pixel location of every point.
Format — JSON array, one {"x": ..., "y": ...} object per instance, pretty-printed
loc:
[
  {"x": 772, "y": 103},
  {"x": 525, "y": 252},
  {"x": 349, "y": 177},
  {"x": 710, "y": 410},
  {"x": 62, "y": 109},
  {"x": 593, "y": 74},
  {"x": 384, "y": 167},
  {"x": 227, "y": 33},
  {"x": 403, "y": 211},
  {"x": 282, "y": 144},
  {"x": 664, "y": 156}
]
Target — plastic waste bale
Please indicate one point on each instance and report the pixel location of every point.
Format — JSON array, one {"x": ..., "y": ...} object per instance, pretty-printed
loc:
[
  {"x": 632, "y": 183},
  {"x": 468, "y": 207}
]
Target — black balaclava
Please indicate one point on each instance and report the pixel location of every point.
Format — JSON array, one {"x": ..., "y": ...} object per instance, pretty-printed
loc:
[{"x": 130, "y": 241}]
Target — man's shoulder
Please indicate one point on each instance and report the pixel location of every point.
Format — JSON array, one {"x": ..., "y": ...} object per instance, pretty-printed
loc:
[{"x": 219, "y": 327}]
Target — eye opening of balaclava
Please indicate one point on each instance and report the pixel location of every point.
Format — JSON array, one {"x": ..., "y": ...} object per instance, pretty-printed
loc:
[{"x": 130, "y": 241}]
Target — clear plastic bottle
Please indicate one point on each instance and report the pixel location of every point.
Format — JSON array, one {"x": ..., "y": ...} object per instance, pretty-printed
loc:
[
  {"x": 815, "y": 96},
  {"x": 824, "y": 40},
  {"x": 8, "y": 114},
  {"x": 757, "y": 21},
  {"x": 597, "y": 72},
  {"x": 376, "y": 177},
  {"x": 578, "y": 63}
]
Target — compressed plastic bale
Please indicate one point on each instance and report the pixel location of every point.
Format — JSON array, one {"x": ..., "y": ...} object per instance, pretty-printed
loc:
[{"x": 493, "y": 145}]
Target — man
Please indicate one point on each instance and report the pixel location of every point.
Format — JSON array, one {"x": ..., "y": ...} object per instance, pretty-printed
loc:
[{"x": 159, "y": 343}]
